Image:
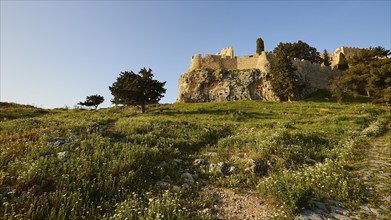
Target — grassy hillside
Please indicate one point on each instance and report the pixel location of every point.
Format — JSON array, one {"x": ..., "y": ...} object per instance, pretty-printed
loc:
[{"x": 116, "y": 163}]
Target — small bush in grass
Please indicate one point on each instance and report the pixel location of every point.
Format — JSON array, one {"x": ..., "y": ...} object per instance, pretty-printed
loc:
[
  {"x": 328, "y": 180},
  {"x": 163, "y": 206},
  {"x": 325, "y": 111},
  {"x": 376, "y": 128}
]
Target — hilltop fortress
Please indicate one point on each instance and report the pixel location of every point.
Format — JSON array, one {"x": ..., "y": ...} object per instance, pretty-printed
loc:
[
  {"x": 225, "y": 59},
  {"x": 225, "y": 77}
]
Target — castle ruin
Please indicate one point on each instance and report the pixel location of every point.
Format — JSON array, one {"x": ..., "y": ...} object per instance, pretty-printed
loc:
[
  {"x": 225, "y": 59},
  {"x": 225, "y": 77}
]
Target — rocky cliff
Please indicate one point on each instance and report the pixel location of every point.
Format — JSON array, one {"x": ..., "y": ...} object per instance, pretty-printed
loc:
[{"x": 206, "y": 85}]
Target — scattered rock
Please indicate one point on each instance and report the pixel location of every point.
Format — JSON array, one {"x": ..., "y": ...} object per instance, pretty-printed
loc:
[
  {"x": 232, "y": 169},
  {"x": 94, "y": 129},
  {"x": 62, "y": 154},
  {"x": 208, "y": 211},
  {"x": 278, "y": 162},
  {"x": 339, "y": 217},
  {"x": 310, "y": 162},
  {"x": 320, "y": 205},
  {"x": 309, "y": 215},
  {"x": 210, "y": 154},
  {"x": 200, "y": 162},
  {"x": 224, "y": 168},
  {"x": 175, "y": 188},
  {"x": 34, "y": 190},
  {"x": 187, "y": 178},
  {"x": 5, "y": 191},
  {"x": 163, "y": 185},
  {"x": 60, "y": 142},
  {"x": 201, "y": 110},
  {"x": 339, "y": 210},
  {"x": 213, "y": 168},
  {"x": 220, "y": 168},
  {"x": 162, "y": 164},
  {"x": 186, "y": 186},
  {"x": 176, "y": 162},
  {"x": 256, "y": 166}
]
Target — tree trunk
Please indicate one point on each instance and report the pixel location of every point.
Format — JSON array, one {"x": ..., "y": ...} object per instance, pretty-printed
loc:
[
  {"x": 368, "y": 94},
  {"x": 143, "y": 108}
]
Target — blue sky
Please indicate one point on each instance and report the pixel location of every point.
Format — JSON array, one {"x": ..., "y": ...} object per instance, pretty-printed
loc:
[{"x": 55, "y": 53}]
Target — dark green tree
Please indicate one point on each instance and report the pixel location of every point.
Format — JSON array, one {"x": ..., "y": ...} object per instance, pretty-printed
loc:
[
  {"x": 302, "y": 51},
  {"x": 337, "y": 88},
  {"x": 137, "y": 89},
  {"x": 368, "y": 55},
  {"x": 284, "y": 81},
  {"x": 369, "y": 73},
  {"x": 93, "y": 100},
  {"x": 342, "y": 62},
  {"x": 260, "y": 46},
  {"x": 379, "y": 80},
  {"x": 326, "y": 58}
]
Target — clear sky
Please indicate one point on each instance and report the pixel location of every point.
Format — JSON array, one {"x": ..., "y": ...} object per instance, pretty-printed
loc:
[{"x": 55, "y": 53}]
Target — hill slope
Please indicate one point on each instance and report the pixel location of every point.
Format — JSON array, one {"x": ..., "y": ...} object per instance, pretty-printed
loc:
[{"x": 184, "y": 161}]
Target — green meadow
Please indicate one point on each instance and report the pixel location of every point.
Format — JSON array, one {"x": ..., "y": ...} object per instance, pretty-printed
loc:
[{"x": 117, "y": 163}]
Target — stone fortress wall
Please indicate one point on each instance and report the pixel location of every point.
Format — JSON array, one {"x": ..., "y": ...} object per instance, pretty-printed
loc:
[
  {"x": 225, "y": 59},
  {"x": 347, "y": 51}
]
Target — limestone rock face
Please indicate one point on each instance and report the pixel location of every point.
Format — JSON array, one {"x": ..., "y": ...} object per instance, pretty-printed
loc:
[{"x": 204, "y": 85}]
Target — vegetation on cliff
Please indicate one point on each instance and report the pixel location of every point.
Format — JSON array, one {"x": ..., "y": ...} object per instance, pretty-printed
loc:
[
  {"x": 260, "y": 46},
  {"x": 366, "y": 73},
  {"x": 326, "y": 58},
  {"x": 302, "y": 51},
  {"x": 284, "y": 80}
]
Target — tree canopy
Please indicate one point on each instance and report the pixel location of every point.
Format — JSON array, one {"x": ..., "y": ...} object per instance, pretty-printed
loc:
[
  {"x": 301, "y": 50},
  {"x": 283, "y": 78},
  {"x": 93, "y": 100},
  {"x": 260, "y": 46},
  {"x": 369, "y": 73},
  {"x": 326, "y": 58},
  {"x": 137, "y": 89},
  {"x": 342, "y": 63}
]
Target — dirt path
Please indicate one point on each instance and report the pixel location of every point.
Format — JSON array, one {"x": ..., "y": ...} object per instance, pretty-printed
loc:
[
  {"x": 377, "y": 179},
  {"x": 375, "y": 172},
  {"x": 238, "y": 205}
]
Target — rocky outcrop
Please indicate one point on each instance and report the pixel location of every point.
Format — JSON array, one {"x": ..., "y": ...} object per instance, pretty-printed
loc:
[{"x": 205, "y": 85}]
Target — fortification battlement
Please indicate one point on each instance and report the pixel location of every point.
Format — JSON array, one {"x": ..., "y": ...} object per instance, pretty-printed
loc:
[
  {"x": 225, "y": 59},
  {"x": 345, "y": 47}
]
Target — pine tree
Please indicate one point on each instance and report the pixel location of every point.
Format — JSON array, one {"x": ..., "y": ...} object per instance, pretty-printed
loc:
[
  {"x": 137, "y": 89},
  {"x": 93, "y": 100},
  {"x": 342, "y": 63},
  {"x": 283, "y": 78},
  {"x": 369, "y": 74},
  {"x": 326, "y": 58},
  {"x": 260, "y": 46}
]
